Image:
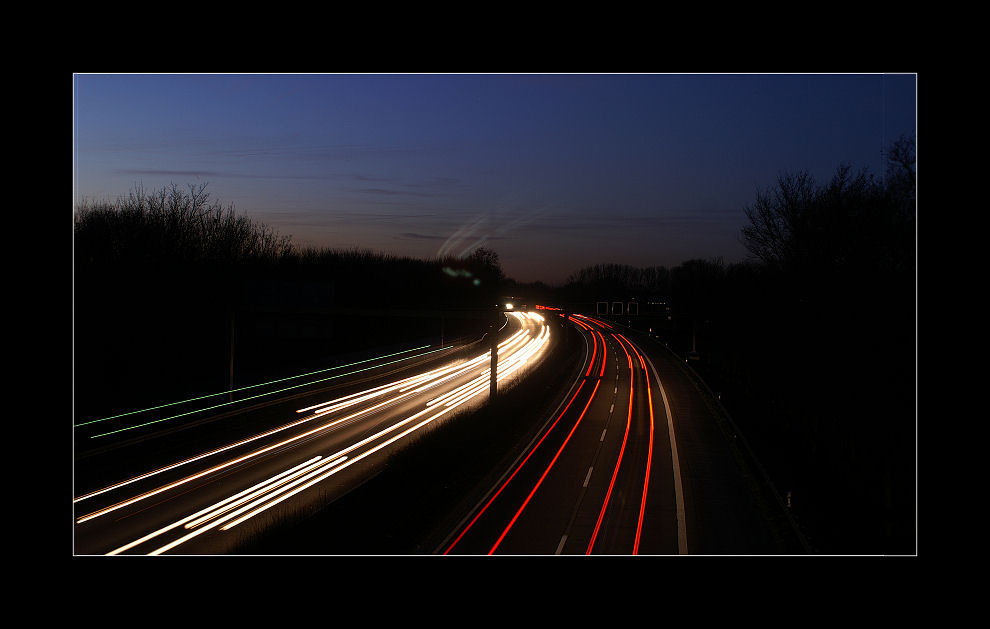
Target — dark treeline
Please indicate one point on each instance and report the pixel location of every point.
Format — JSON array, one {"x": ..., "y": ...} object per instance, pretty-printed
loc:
[
  {"x": 811, "y": 345},
  {"x": 167, "y": 283},
  {"x": 654, "y": 279}
]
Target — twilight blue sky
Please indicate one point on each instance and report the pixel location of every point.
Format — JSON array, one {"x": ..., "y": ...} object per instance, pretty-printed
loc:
[{"x": 554, "y": 172}]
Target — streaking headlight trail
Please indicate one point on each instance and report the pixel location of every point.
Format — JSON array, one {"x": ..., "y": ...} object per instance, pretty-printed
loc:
[{"x": 436, "y": 393}]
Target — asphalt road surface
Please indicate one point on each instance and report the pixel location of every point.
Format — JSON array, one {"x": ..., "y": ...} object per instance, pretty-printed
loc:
[{"x": 636, "y": 460}]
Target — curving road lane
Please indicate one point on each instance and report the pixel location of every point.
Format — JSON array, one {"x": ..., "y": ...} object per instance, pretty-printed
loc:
[{"x": 603, "y": 477}]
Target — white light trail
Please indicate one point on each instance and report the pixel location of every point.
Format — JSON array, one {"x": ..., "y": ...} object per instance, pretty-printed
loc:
[
  {"x": 303, "y": 466},
  {"x": 231, "y": 446},
  {"x": 311, "y": 478},
  {"x": 514, "y": 353},
  {"x": 280, "y": 493},
  {"x": 264, "y": 489}
]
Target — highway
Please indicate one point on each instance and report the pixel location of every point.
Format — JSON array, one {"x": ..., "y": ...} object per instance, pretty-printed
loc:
[
  {"x": 602, "y": 477},
  {"x": 630, "y": 456},
  {"x": 318, "y": 443}
]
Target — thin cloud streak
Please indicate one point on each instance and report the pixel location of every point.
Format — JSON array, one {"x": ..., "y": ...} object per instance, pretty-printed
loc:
[
  {"x": 416, "y": 236},
  {"x": 155, "y": 172},
  {"x": 484, "y": 227},
  {"x": 393, "y": 192}
]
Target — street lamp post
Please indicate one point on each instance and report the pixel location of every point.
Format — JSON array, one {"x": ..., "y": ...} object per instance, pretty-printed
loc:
[{"x": 493, "y": 342}]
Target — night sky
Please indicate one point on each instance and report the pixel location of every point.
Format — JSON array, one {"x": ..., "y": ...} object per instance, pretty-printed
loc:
[{"x": 553, "y": 172}]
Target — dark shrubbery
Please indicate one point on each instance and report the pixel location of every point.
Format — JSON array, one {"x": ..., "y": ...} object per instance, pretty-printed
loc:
[{"x": 171, "y": 226}]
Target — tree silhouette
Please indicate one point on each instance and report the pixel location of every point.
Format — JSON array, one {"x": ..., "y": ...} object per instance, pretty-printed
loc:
[
  {"x": 853, "y": 224},
  {"x": 840, "y": 306}
]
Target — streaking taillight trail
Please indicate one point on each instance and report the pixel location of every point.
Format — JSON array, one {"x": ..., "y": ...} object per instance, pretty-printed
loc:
[{"x": 598, "y": 352}]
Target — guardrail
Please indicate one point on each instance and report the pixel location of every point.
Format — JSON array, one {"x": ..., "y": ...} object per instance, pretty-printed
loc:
[{"x": 736, "y": 435}]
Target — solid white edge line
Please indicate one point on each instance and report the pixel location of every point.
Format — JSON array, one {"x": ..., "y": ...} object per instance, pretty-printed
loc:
[{"x": 682, "y": 546}]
